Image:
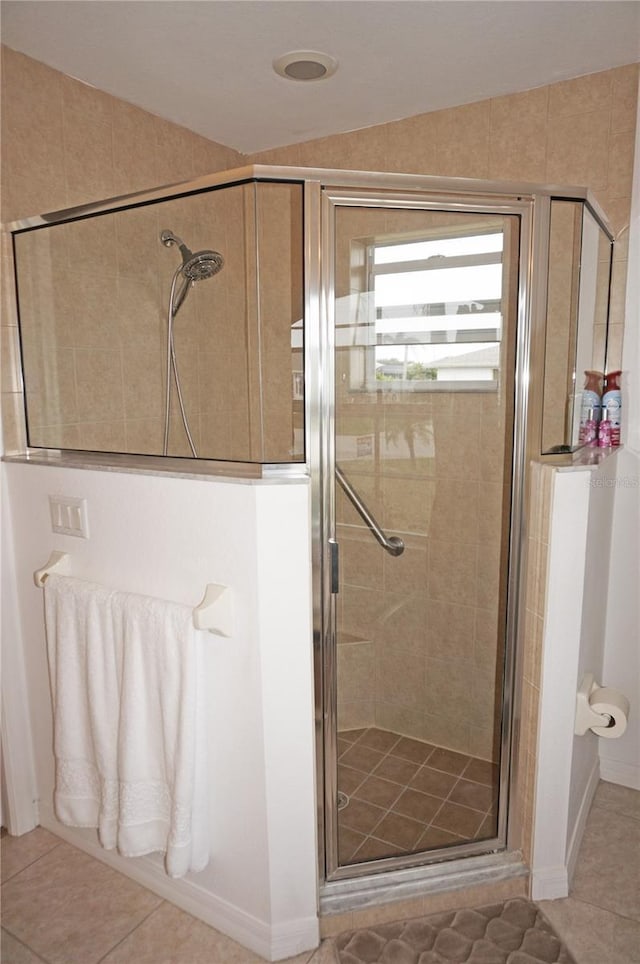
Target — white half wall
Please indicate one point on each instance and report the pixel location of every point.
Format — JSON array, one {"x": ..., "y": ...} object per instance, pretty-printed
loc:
[
  {"x": 620, "y": 759},
  {"x": 169, "y": 537},
  {"x": 573, "y": 644}
]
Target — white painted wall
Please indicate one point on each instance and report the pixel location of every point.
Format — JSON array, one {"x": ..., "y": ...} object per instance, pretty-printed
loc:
[
  {"x": 169, "y": 537},
  {"x": 620, "y": 759},
  {"x": 573, "y": 644}
]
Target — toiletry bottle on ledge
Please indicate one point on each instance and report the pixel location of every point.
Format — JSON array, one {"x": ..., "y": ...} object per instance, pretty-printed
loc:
[
  {"x": 590, "y": 429},
  {"x": 591, "y": 405},
  {"x": 612, "y": 403},
  {"x": 604, "y": 431}
]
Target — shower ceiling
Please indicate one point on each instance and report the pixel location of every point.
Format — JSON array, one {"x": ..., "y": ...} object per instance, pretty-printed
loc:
[{"x": 207, "y": 64}]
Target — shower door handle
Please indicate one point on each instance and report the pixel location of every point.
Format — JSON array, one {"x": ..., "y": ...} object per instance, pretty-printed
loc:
[{"x": 334, "y": 562}]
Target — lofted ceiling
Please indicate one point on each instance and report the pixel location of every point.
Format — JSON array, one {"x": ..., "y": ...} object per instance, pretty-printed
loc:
[{"x": 207, "y": 64}]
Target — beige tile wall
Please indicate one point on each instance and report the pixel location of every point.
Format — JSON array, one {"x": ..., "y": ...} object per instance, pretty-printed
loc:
[
  {"x": 65, "y": 143},
  {"x": 94, "y": 292}
]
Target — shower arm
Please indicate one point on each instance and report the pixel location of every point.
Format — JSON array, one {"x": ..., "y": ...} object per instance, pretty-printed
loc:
[{"x": 393, "y": 544}]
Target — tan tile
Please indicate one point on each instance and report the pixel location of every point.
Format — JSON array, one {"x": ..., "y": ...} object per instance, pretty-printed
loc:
[
  {"x": 448, "y": 761},
  {"x": 335, "y": 924},
  {"x": 348, "y": 841},
  {"x": 375, "y": 790},
  {"x": 608, "y": 871},
  {"x": 481, "y": 771},
  {"x": 452, "y": 572},
  {"x": 433, "y": 838},
  {"x": 396, "y": 769},
  {"x": 374, "y": 849},
  {"x": 134, "y": 149},
  {"x": 349, "y": 778},
  {"x": 417, "y": 805},
  {"x": 578, "y": 149},
  {"x": 169, "y": 934},
  {"x": 581, "y": 95},
  {"x": 434, "y": 782},
  {"x": 412, "y": 145},
  {"x": 417, "y": 751},
  {"x": 361, "y": 816},
  {"x": 458, "y": 820},
  {"x": 13, "y": 952},
  {"x": 611, "y": 796},
  {"x": 625, "y": 96},
  {"x": 385, "y": 913},
  {"x": 472, "y": 795},
  {"x": 450, "y": 630},
  {"x": 462, "y": 137},
  {"x": 621, "y": 149},
  {"x": 591, "y": 934},
  {"x": 362, "y": 758},
  {"x": 20, "y": 852},
  {"x": 382, "y": 740},
  {"x": 99, "y": 384},
  {"x": 50, "y": 906},
  {"x": 401, "y": 678},
  {"x": 88, "y": 142},
  {"x": 518, "y": 135}
]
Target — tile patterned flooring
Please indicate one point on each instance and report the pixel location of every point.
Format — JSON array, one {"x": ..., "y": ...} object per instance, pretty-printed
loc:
[
  {"x": 406, "y": 796},
  {"x": 61, "y": 906}
]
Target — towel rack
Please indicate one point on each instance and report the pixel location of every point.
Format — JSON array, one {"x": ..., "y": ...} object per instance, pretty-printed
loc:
[{"x": 214, "y": 613}]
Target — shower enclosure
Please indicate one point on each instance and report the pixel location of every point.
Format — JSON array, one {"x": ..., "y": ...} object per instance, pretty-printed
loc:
[{"x": 387, "y": 336}]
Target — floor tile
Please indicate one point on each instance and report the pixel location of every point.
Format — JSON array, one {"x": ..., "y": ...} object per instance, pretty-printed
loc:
[
  {"x": 593, "y": 935},
  {"x": 13, "y": 952},
  {"x": 414, "y": 750},
  {"x": 381, "y": 740},
  {"x": 459, "y": 820},
  {"x": 170, "y": 936},
  {"x": 399, "y": 830},
  {"x": 326, "y": 953},
  {"x": 361, "y": 816},
  {"x": 434, "y": 837},
  {"x": 362, "y": 757},
  {"x": 434, "y": 782},
  {"x": 608, "y": 871},
  {"x": 72, "y": 909},
  {"x": 381, "y": 792},
  {"x": 373, "y": 849},
  {"x": 448, "y": 761},
  {"x": 19, "y": 852},
  {"x": 481, "y": 771},
  {"x": 473, "y": 795},
  {"x": 396, "y": 769},
  {"x": 348, "y": 843},
  {"x": 420, "y": 806},
  {"x": 610, "y": 796},
  {"x": 349, "y": 778}
]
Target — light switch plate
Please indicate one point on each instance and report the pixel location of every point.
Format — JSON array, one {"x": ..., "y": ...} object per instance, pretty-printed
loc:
[{"x": 69, "y": 515}]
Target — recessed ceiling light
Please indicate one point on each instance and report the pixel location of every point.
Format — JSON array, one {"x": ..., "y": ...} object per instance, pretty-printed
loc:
[{"x": 305, "y": 65}]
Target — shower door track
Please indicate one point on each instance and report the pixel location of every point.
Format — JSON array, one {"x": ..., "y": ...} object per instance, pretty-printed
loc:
[{"x": 496, "y": 858}]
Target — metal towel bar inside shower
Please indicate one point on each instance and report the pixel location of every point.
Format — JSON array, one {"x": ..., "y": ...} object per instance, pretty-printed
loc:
[
  {"x": 393, "y": 544},
  {"x": 214, "y": 613}
]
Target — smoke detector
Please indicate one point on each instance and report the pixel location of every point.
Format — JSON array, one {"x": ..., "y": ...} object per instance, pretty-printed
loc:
[{"x": 305, "y": 65}]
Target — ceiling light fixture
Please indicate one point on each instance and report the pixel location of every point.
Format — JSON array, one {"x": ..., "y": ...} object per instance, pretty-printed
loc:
[{"x": 305, "y": 65}]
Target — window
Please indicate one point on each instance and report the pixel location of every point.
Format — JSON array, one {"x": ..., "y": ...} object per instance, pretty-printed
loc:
[{"x": 433, "y": 313}]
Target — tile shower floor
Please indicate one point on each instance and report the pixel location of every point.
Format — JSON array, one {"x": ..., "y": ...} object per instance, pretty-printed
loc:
[{"x": 405, "y": 795}]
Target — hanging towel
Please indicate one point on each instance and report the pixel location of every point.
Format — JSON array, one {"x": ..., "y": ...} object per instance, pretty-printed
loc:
[{"x": 129, "y": 721}]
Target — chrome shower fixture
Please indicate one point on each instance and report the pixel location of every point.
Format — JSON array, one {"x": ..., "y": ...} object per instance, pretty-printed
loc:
[{"x": 196, "y": 266}]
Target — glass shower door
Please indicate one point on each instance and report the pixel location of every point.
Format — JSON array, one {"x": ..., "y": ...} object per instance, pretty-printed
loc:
[{"x": 424, "y": 346}]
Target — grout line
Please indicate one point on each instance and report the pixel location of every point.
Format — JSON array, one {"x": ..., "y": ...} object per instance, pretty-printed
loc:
[
  {"x": 426, "y": 825},
  {"x": 32, "y": 862},
  {"x": 45, "y": 960},
  {"x": 132, "y": 931}
]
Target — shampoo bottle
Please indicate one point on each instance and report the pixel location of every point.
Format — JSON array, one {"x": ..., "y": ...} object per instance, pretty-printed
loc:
[
  {"x": 612, "y": 402},
  {"x": 590, "y": 408}
]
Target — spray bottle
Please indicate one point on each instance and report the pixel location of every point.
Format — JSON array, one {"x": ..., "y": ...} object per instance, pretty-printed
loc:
[
  {"x": 590, "y": 409},
  {"x": 612, "y": 403}
]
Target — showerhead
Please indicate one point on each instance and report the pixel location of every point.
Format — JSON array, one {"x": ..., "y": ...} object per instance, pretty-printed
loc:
[
  {"x": 198, "y": 266},
  {"x": 202, "y": 265}
]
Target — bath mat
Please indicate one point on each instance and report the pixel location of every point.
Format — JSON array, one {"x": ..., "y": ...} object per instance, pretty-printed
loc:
[{"x": 512, "y": 932}]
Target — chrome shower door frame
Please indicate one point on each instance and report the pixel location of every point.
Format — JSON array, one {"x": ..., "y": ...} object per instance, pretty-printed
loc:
[{"x": 323, "y": 197}]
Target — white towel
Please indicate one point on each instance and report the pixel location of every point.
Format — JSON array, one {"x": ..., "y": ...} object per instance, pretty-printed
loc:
[{"x": 130, "y": 747}]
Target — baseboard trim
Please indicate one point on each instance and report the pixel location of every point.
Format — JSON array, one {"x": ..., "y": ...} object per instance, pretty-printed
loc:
[
  {"x": 581, "y": 820},
  {"x": 549, "y": 883},
  {"x": 273, "y": 942},
  {"x": 625, "y": 774}
]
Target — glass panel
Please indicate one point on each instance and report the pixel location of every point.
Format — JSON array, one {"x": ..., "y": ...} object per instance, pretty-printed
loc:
[
  {"x": 93, "y": 300},
  {"x": 577, "y": 314},
  {"x": 424, "y": 363}
]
